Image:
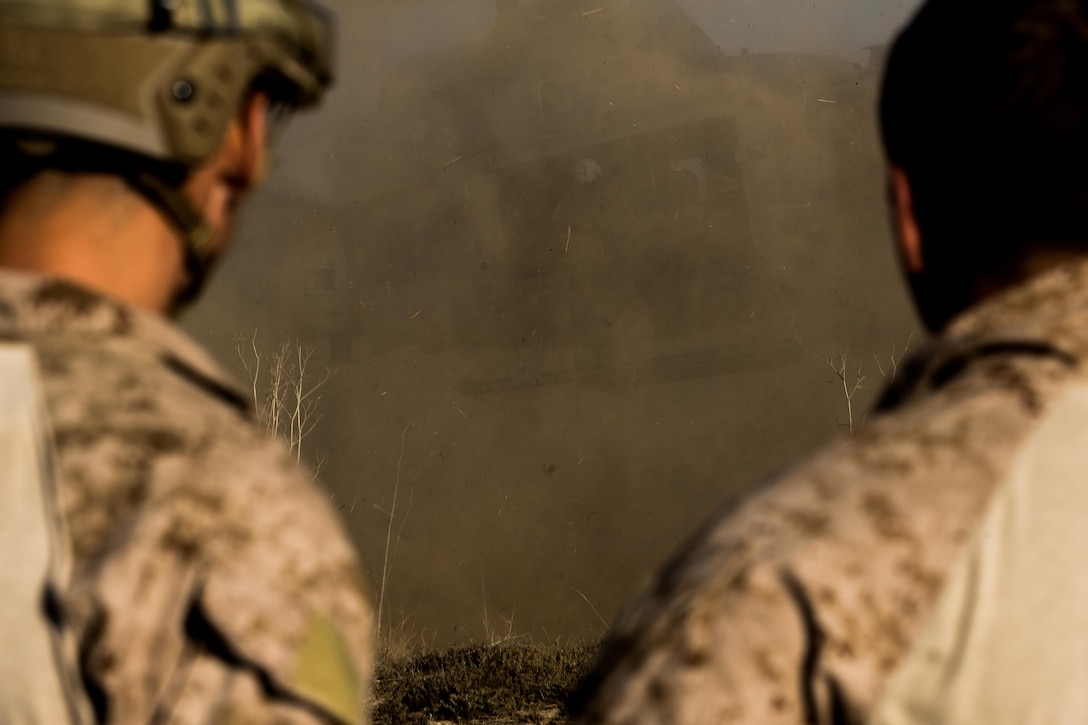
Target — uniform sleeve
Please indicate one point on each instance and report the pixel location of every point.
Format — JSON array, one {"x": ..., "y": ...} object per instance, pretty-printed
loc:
[
  {"x": 289, "y": 600},
  {"x": 210, "y": 690},
  {"x": 234, "y": 591},
  {"x": 741, "y": 650}
]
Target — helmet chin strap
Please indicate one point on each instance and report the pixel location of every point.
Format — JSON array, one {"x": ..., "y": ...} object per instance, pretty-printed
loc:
[
  {"x": 159, "y": 186},
  {"x": 195, "y": 232}
]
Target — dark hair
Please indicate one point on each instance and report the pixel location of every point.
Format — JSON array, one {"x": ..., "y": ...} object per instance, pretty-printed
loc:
[{"x": 985, "y": 106}]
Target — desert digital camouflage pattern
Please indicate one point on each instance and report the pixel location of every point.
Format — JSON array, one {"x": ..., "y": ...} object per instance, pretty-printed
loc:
[
  {"x": 908, "y": 574},
  {"x": 211, "y": 580}
]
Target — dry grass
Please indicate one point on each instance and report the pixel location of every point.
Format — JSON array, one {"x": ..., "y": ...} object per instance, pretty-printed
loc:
[{"x": 481, "y": 683}]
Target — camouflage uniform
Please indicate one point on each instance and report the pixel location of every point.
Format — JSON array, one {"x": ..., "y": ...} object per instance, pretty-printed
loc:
[
  {"x": 927, "y": 569},
  {"x": 211, "y": 580}
]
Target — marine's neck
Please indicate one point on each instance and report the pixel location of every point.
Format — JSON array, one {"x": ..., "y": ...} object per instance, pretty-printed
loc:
[{"x": 96, "y": 232}]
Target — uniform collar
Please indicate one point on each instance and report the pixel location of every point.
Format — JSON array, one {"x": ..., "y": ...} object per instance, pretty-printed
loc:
[
  {"x": 1050, "y": 308},
  {"x": 1045, "y": 316},
  {"x": 33, "y": 306}
]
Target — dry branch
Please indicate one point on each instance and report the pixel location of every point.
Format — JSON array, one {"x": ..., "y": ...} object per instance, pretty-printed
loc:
[
  {"x": 285, "y": 394},
  {"x": 895, "y": 359},
  {"x": 849, "y": 388}
]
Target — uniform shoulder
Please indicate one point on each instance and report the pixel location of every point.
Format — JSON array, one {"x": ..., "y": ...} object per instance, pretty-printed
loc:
[
  {"x": 282, "y": 583},
  {"x": 286, "y": 588},
  {"x": 155, "y": 460},
  {"x": 816, "y": 581}
]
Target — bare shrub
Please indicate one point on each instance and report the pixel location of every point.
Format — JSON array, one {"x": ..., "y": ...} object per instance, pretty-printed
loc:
[
  {"x": 852, "y": 379},
  {"x": 286, "y": 392}
]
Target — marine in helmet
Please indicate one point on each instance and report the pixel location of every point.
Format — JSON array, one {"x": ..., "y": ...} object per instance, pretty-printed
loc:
[
  {"x": 210, "y": 581},
  {"x": 928, "y": 569}
]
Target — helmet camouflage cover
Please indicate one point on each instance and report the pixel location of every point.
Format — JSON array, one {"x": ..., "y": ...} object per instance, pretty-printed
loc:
[
  {"x": 147, "y": 89},
  {"x": 158, "y": 78}
]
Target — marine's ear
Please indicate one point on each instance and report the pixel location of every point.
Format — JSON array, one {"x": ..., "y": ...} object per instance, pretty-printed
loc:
[
  {"x": 252, "y": 145},
  {"x": 905, "y": 224}
]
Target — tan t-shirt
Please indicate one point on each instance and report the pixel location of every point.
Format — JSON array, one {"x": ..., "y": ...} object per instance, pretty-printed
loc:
[
  {"x": 39, "y": 683},
  {"x": 1007, "y": 642}
]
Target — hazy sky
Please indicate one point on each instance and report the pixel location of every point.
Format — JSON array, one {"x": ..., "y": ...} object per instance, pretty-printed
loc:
[
  {"x": 376, "y": 36},
  {"x": 840, "y": 27},
  {"x": 395, "y": 31}
]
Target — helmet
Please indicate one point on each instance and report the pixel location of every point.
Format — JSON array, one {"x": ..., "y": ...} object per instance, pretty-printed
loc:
[{"x": 147, "y": 88}]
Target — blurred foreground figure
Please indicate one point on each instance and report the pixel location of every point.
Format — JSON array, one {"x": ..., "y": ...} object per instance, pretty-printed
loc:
[
  {"x": 187, "y": 571},
  {"x": 930, "y": 569}
]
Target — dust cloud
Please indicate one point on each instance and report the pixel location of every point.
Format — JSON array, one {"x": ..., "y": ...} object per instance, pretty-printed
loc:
[{"x": 576, "y": 267}]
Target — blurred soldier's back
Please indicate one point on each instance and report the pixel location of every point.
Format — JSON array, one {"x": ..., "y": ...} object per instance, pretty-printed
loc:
[
  {"x": 188, "y": 570},
  {"x": 926, "y": 569}
]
